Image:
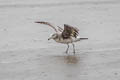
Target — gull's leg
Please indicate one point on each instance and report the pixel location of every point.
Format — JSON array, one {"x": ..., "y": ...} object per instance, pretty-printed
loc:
[
  {"x": 73, "y": 48},
  {"x": 67, "y": 48}
]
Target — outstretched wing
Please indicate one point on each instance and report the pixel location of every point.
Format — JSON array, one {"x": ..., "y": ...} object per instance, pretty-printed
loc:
[
  {"x": 47, "y": 23},
  {"x": 69, "y": 31}
]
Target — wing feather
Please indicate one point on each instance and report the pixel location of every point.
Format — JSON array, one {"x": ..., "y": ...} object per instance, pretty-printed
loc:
[
  {"x": 47, "y": 23},
  {"x": 69, "y": 31}
]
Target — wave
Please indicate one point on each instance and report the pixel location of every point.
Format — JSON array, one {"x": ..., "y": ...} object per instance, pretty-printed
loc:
[{"x": 58, "y": 4}]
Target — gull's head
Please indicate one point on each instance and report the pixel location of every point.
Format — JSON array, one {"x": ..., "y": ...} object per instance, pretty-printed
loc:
[{"x": 54, "y": 36}]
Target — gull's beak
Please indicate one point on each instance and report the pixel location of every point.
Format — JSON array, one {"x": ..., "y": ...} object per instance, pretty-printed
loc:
[{"x": 50, "y": 38}]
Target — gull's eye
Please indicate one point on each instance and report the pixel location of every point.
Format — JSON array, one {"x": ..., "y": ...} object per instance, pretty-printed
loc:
[{"x": 54, "y": 35}]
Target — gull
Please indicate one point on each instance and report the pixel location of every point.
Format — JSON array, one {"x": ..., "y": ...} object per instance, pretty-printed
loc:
[{"x": 68, "y": 35}]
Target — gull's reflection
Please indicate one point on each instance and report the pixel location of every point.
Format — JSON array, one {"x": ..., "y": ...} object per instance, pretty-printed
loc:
[{"x": 71, "y": 59}]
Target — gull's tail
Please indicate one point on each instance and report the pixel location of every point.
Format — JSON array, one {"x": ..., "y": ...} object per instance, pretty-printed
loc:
[
  {"x": 83, "y": 38},
  {"x": 79, "y": 39}
]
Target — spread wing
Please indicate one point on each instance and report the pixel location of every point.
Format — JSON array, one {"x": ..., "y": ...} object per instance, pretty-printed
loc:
[
  {"x": 69, "y": 31},
  {"x": 49, "y": 24}
]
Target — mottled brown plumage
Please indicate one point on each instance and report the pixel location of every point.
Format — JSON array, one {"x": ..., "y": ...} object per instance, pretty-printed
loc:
[{"x": 69, "y": 31}]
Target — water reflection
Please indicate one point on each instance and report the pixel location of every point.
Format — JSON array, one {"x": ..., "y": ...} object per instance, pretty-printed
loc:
[{"x": 73, "y": 59}]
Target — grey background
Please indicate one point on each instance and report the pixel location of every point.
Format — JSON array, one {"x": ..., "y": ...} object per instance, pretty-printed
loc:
[{"x": 25, "y": 53}]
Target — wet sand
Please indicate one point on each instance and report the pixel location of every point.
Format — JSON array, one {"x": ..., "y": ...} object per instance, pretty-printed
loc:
[{"x": 26, "y": 54}]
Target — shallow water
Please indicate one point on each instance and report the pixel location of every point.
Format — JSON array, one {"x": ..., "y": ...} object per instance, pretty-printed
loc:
[{"x": 26, "y": 54}]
